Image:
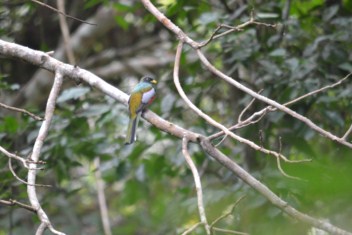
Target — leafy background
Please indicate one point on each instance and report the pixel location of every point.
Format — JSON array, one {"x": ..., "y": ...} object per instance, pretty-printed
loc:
[{"x": 148, "y": 186}]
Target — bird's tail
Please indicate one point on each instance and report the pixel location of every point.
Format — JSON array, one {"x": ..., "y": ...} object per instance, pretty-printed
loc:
[{"x": 131, "y": 130}]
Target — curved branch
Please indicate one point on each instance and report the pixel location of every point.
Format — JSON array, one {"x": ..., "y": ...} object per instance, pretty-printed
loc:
[
  {"x": 197, "y": 183},
  {"x": 43, "y": 131}
]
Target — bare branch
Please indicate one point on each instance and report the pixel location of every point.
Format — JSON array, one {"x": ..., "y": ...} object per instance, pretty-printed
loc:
[
  {"x": 228, "y": 213},
  {"x": 62, "y": 13},
  {"x": 239, "y": 120},
  {"x": 257, "y": 116},
  {"x": 226, "y": 231},
  {"x": 233, "y": 29},
  {"x": 12, "y": 202},
  {"x": 21, "y": 111},
  {"x": 24, "y": 161},
  {"x": 191, "y": 228},
  {"x": 23, "y": 181},
  {"x": 318, "y": 90},
  {"x": 197, "y": 183},
  {"x": 43, "y": 131}
]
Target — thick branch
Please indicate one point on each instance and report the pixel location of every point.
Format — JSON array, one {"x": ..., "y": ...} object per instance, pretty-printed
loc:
[{"x": 43, "y": 60}]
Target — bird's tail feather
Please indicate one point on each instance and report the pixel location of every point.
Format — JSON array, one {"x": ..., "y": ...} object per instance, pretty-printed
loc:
[{"x": 131, "y": 130}]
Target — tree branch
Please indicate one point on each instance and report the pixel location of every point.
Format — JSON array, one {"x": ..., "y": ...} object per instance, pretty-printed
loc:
[
  {"x": 12, "y": 202},
  {"x": 197, "y": 183},
  {"x": 43, "y": 131},
  {"x": 24, "y": 161},
  {"x": 21, "y": 111}
]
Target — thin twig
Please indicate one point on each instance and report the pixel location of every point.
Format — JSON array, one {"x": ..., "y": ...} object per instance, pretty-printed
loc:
[
  {"x": 62, "y": 13},
  {"x": 12, "y": 202},
  {"x": 228, "y": 213},
  {"x": 24, "y": 161},
  {"x": 233, "y": 29},
  {"x": 318, "y": 90},
  {"x": 21, "y": 111},
  {"x": 197, "y": 183},
  {"x": 23, "y": 181},
  {"x": 227, "y": 231},
  {"x": 239, "y": 120},
  {"x": 279, "y": 163},
  {"x": 191, "y": 228}
]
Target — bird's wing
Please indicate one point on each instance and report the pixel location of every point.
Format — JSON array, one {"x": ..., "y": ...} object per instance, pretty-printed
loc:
[{"x": 134, "y": 103}]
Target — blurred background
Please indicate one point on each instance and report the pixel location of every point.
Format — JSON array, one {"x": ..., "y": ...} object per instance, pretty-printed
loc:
[{"x": 148, "y": 187}]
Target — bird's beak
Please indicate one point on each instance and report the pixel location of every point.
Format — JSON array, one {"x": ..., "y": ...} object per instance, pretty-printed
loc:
[{"x": 154, "y": 81}]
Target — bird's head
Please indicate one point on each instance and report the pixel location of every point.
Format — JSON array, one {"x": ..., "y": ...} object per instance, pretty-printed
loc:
[{"x": 149, "y": 80}]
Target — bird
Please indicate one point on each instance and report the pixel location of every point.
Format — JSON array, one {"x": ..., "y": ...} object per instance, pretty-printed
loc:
[{"x": 142, "y": 95}]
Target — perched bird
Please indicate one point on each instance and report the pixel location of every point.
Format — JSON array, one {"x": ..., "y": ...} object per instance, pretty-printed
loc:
[{"x": 141, "y": 96}]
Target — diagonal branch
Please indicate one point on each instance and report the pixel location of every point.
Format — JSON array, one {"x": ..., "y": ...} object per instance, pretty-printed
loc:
[
  {"x": 12, "y": 202},
  {"x": 21, "y": 111},
  {"x": 24, "y": 161}
]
